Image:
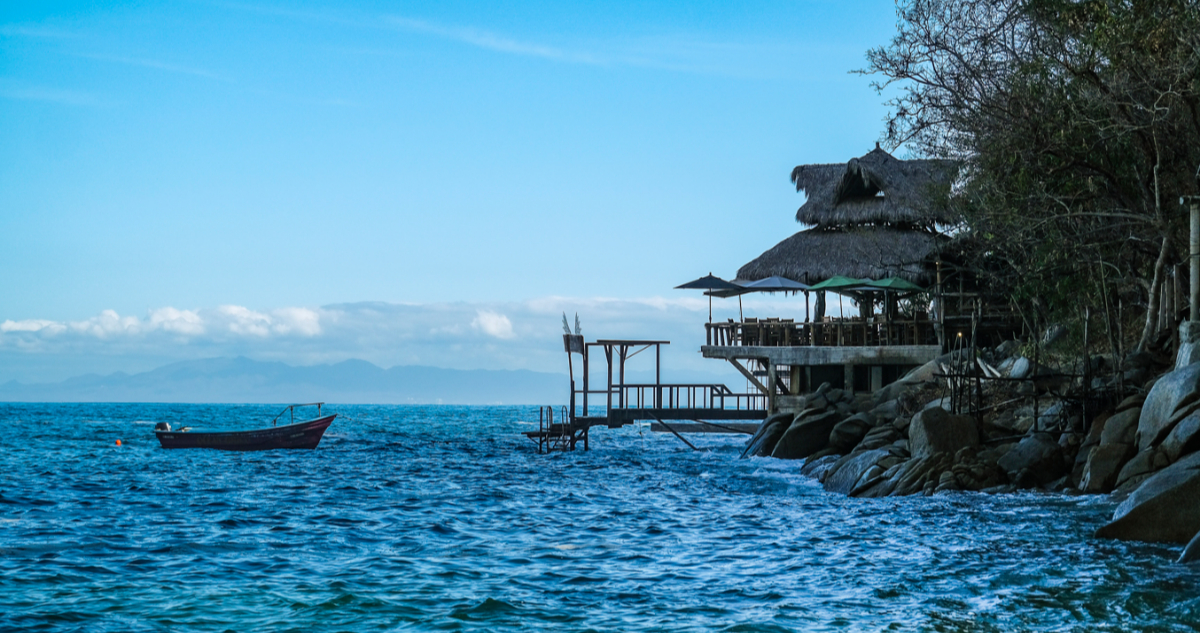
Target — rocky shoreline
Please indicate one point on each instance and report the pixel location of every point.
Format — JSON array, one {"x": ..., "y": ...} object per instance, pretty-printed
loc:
[{"x": 1028, "y": 427}]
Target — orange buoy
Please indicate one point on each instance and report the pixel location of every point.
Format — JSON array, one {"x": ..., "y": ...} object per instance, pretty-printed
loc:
[{"x": 118, "y": 442}]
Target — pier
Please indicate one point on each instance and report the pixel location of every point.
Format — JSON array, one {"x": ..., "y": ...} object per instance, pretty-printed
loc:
[{"x": 670, "y": 407}]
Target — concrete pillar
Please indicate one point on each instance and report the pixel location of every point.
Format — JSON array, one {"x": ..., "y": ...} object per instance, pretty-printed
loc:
[{"x": 848, "y": 377}]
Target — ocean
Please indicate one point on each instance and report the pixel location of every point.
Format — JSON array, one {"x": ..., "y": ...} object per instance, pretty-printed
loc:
[{"x": 443, "y": 518}]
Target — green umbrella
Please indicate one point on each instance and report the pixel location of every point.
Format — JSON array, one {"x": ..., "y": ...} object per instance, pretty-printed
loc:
[
  {"x": 895, "y": 283},
  {"x": 838, "y": 282}
]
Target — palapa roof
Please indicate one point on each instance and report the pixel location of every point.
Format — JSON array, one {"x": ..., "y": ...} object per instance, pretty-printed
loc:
[
  {"x": 866, "y": 252},
  {"x": 845, "y": 194}
]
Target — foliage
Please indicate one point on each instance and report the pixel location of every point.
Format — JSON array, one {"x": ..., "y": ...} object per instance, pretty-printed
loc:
[{"x": 1078, "y": 126}]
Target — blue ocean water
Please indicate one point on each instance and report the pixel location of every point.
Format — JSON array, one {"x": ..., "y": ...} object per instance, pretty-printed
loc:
[{"x": 446, "y": 518}]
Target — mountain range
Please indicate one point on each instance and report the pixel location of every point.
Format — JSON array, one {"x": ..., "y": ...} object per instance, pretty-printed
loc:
[{"x": 242, "y": 380}]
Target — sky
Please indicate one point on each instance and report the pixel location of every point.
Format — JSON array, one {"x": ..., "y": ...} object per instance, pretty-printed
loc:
[{"x": 404, "y": 182}]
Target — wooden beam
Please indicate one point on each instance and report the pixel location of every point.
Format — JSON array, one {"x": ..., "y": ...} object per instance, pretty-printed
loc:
[{"x": 749, "y": 376}]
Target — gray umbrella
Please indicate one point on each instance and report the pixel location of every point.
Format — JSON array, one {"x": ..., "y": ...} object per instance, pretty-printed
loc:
[{"x": 709, "y": 282}]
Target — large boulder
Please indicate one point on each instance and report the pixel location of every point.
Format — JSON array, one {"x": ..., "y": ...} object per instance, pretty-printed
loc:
[
  {"x": 764, "y": 439},
  {"x": 936, "y": 430},
  {"x": 845, "y": 475},
  {"x": 806, "y": 435},
  {"x": 1144, "y": 463},
  {"x": 1104, "y": 463},
  {"x": 1184, "y": 437},
  {"x": 1163, "y": 509},
  {"x": 818, "y": 467},
  {"x": 1121, "y": 427},
  {"x": 1172, "y": 392},
  {"x": 849, "y": 432},
  {"x": 1036, "y": 460}
]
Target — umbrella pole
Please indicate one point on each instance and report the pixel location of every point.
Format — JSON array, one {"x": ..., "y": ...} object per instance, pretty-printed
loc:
[
  {"x": 740, "y": 316},
  {"x": 710, "y": 308}
]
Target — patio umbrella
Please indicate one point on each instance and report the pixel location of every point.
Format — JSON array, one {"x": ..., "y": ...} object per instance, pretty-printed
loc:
[
  {"x": 709, "y": 282},
  {"x": 838, "y": 282},
  {"x": 898, "y": 284},
  {"x": 775, "y": 283}
]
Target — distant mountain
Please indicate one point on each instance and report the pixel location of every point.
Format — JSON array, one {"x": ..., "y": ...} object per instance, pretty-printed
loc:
[{"x": 240, "y": 379}]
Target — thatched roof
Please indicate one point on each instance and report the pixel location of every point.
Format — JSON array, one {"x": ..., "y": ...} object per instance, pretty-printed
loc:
[
  {"x": 874, "y": 189},
  {"x": 868, "y": 252}
]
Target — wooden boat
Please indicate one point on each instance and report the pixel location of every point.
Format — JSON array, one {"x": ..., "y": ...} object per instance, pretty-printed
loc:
[{"x": 303, "y": 434}]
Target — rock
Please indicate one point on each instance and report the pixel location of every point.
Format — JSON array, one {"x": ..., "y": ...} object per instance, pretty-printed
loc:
[
  {"x": 879, "y": 437},
  {"x": 887, "y": 410},
  {"x": 849, "y": 432},
  {"x": 845, "y": 475},
  {"x": 1163, "y": 509},
  {"x": 1104, "y": 463},
  {"x": 834, "y": 395},
  {"x": 1121, "y": 427},
  {"x": 1135, "y": 400},
  {"x": 1191, "y": 553},
  {"x": 1020, "y": 368},
  {"x": 937, "y": 431},
  {"x": 806, "y": 436},
  {"x": 1037, "y": 458},
  {"x": 1172, "y": 392},
  {"x": 1184, "y": 437},
  {"x": 817, "y": 468},
  {"x": 1007, "y": 348},
  {"x": 901, "y": 424},
  {"x": 1138, "y": 360},
  {"x": 768, "y": 433},
  {"x": 1145, "y": 462},
  {"x": 913, "y": 479}
]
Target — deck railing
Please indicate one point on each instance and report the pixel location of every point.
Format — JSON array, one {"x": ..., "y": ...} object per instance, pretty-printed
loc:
[
  {"x": 687, "y": 396},
  {"x": 834, "y": 332}
]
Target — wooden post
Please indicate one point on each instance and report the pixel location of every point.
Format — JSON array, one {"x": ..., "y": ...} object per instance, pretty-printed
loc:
[{"x": 771, "y": 387}]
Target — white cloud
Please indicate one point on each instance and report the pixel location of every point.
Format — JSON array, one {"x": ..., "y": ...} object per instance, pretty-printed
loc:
[
  {"x": 185, "y": 322},
  {"x": 493, "y": 324},
  {"x": 496, "y": 335},
  {"x": 31, "y": 325}
]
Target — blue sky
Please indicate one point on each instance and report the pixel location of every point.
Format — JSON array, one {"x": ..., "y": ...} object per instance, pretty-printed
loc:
[{"x": 168, "y": 167}]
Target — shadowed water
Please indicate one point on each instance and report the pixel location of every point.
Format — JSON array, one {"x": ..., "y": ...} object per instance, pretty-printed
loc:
[{"x": 445, "y": 518}]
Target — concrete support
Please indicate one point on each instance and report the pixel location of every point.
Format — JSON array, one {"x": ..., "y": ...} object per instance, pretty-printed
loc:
[{"x": 848, "y": 377}]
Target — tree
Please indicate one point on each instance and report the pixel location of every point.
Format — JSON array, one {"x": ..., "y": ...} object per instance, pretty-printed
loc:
[{"x": 1078, "y": 125}]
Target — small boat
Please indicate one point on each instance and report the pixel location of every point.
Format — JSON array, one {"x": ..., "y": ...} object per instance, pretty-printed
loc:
[{"x": 303, "y": 434}]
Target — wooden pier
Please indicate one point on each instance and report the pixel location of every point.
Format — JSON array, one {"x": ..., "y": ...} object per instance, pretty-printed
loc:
[{"x": 674, "y": 408}]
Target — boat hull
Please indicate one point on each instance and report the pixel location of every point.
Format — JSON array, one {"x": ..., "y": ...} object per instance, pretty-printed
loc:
[{"x": 305, "y": 434}]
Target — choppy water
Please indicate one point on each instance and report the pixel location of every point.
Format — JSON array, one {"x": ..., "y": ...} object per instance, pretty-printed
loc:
[{"x": 444, "y": 518}]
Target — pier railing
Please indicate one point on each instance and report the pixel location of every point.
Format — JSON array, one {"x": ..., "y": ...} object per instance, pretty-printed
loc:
[
  {"x": 687, "y": 396},
  {"x": 834, "y": 332}
]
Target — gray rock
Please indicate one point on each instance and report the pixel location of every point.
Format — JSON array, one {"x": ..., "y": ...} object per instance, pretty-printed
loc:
[
  {"x": 1145, "y": 462},
  {"x": 937, "y": 431},
  {"x": 806, "y": 436},
  {"x": 1172, "y": 392},
  {"x": 1036, "y": 459},
  {"x": 887, "y": 410},
  {"x": 1121, "y": 427},
  {"x": 1135, "y": 400},
  {"x": 1184, "y": 437},
  {"x": 1191, "y": 553},
  {"x": 1020, "y": 368},
  {"x": 768, "y": 433},
  {"x": 817, "y": 468},
  {"x": 834, "y": 395},
  {"x": 845, "y": 475},
  {"x": 879, "y": 437},
  {"x": 1104, "y": 463},
  {"x": 849, "y": 432},
  {"x": 1163, "y": 509}
]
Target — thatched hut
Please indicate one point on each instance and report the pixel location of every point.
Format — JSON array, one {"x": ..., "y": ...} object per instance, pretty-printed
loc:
[{"x": 872, "y": 217}]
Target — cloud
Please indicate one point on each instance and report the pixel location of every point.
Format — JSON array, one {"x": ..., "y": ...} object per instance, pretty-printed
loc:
[
  {"x": 492, "y": 41},
  {"x": 484, "y": 335},
  {"x": 49, "y": 95},
  {"x": 493, "y": 324},
  {"x": 156, "y": 65}
]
